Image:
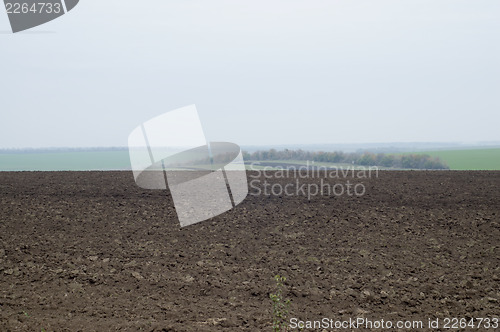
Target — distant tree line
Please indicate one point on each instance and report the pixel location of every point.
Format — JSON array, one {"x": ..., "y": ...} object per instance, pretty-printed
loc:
[{"x": 410, "y": 161}]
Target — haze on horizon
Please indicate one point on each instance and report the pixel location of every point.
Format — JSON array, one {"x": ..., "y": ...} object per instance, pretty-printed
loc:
[{"x": 260, "y": 72}]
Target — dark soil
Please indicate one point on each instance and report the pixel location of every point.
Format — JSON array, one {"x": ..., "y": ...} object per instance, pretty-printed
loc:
[{"x": 90, "y": 251}]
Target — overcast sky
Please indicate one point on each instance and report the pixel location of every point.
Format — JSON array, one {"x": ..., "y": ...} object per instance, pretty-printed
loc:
[{"x": 260, "y": 72}]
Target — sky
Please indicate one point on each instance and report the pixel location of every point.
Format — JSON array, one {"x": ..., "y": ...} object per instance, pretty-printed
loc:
[{"x": 260, "y": 72}]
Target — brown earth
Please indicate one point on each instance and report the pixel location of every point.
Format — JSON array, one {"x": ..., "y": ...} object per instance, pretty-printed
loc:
[{"x": 90, "y": 251}]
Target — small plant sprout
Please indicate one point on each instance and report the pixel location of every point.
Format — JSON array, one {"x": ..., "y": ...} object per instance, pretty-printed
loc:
[{"x": 281, "y": 306}]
